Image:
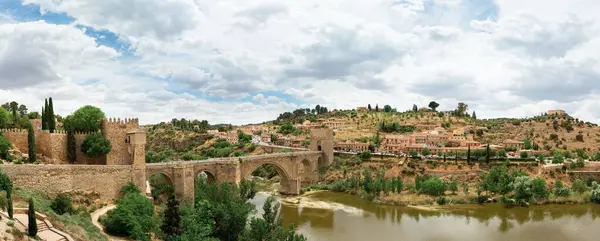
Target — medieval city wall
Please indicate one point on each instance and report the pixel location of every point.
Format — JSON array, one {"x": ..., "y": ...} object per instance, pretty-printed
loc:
[
  {"x": 104, "y": 181},
  {"x": 51, "y": 145}
]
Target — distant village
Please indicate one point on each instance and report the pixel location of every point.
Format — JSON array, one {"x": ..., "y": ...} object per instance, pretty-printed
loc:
[{"x": 428, "y": 137}]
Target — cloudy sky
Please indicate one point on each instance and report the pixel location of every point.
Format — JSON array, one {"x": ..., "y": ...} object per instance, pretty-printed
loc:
[{"x": 239, "y": 61}]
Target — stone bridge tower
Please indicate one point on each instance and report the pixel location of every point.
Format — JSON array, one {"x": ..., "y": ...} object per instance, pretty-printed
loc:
[
  {"x": 116, "y": 131},
  {"x": 322, "y": 140},
  {"x": 136, "y": 148}
]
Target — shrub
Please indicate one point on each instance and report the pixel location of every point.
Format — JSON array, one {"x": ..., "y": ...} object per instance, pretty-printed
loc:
[
  {"x": 191, "y": 156},
  {"x": 133, "y": 217},
  {"x": 62, "y": 204},
  {"x": 5, "y": 145},
  {"x": 453, "y": 186},
  {"x": 524, "y": 154},
  {"x": 539, "y": 189},
  {"x": 441, "y": 200},
  {"x": 579, "y": 186},
  {"x": 95, "y": 145},
  {"x": 561, "y": 190},
  {"x": 595, "y": 193}
]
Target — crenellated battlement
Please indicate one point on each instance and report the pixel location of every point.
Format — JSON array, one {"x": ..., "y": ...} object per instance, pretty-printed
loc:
[
  {"x": 118, "y": 122},
  {"x": 13, "y": 130}
]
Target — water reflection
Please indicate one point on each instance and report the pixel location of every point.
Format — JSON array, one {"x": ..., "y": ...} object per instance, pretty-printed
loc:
[{"x": 336, "y": 216}]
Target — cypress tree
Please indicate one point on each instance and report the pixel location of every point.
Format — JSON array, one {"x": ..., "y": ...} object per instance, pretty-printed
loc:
[
  {"x": 71, "y": 146},
  {"x": 51, "y": 119},
  {"x": 31, "y": 143},
  {"x": 46, "y": 110},
  {"x": 171, "y": 226},
  {"x": 9, "y": 209},
  {"x": 44, "y": 124},
  {"x": 487, "y": 154},
  {"x": 469, "y": 155},
  {"x": 32, "y": 229}
]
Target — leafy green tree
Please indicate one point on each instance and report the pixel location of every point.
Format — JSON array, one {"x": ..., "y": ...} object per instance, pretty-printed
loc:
[
  {"x": 595, "y": 193},
  {"x": 14, "y": 107},
  {"x": 523, "y": 154},
  {"x": 269, "y": 227},
  {"x": 522, "y": 187},
  {"x": 85, "y": 119},
  {"x": 415, "y": 108},
  {"x": 4, "y": 118},
  {"x": 286, "y": 128},
  {"x": 561, "y": 190},
  {"x": 95, "y": 145},
  {"x": 387, "y": 108},
  {"x": 539, "y": 189},
  {"x": 32, "y": 228},
  {"x": 474, "y": 115},
  {"x": 461, "y": 109},
  {"x": 433, "y": 186},
  {"x": 171, "y": 225},
  {"x": 376, "y": 107},
  {"x": 33, "y": 115},
  {"x": 62, "y": 204},
  {"x": 31, "y": 143},
  {"x": 369, "y": 107},
  {"x": 453, "y": 186}
]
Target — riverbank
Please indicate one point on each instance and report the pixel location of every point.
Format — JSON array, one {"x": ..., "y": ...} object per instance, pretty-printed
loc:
[{"x": 433, "y": 183}]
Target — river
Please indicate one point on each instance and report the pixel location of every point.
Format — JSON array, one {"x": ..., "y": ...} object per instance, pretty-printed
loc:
[{"x": 339, "y": 216}]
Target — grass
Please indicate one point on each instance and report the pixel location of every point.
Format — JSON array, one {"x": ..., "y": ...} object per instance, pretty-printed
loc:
[{"x": 79, "y": 226}]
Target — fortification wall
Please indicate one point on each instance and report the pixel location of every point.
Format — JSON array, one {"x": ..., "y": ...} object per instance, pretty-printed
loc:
[
  {"x": 115, "y": 130},
  {"x": 18, "y": 137},
  {"x": 105, "y": 181}
]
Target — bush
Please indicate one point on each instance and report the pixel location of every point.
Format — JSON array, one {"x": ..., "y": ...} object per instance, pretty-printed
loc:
[
  {"x": 561, "y": 190},
  {"x": 453, "y": 186},
  {"x": 95, "y": 145},
  {"x": 524, "y": 154},
  {"x": 62, "y": 204},
  {"x": 133, "y": 217},
  {"x": 539, "y": 189},
  {"x": 595, "y": 193},
  {"x": 579, "y": 186},
  {"x": 5, "y": 145},
  {"x": 433, "y": 186},
  {"x": 191, "y": 156}
]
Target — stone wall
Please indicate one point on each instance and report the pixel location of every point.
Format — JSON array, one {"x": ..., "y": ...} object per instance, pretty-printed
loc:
[
  {"x": 106, "y": 181},
  {"x": 18, "y": 137},
  {"x": 51, "y": 145}
]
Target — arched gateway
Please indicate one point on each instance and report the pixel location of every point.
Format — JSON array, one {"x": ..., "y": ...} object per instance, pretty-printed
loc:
[{"x": 294, "y": 168}]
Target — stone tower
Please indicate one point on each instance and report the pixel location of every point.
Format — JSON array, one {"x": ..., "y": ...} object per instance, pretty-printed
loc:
[
  {"x": 117, "y": 132},
  {"x": 136, "y": 148},
  {"x": 322, "y": 140}
]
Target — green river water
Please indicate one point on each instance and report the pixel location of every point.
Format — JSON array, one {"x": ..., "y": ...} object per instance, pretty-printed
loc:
[{"x": 339, "y": 216}]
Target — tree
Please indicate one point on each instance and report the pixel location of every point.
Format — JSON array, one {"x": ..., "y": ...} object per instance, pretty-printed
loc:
[
  {"x": 31, "y": 143},
  {"x": 387, "y": 108},
  {"x": 95, "y": 145},
  {"x": 32, "y": 222},
  {"x": 415, "y": 108},
  {"x": 376, "y": 107},
  {"x": 71, "y": 147},
  {"x": 469, "y": 155},
  {"x": 425, "y": 152},
  {"x": 33, "y": 115},
  {"x": 474, "y": 116},
  {"x": 461, "y": 109},
  {"x": 85, "y": 119},
  {"x": 45, "y": 111},
  {"x": 133, "y": 217},
  {"x": 171, "y": 225},
  {"x": 4, "y": 118},
  {"x": 487, "y": 153},
  {"x": 7, "y": 185},
  {"x": 369, "y": 107},
  {"x": 527, "y": 144},
  {"x": 62, "y": 204},
  {"x": 433, "y": 105},
  {"x": 51, "y": 118},
  {"x": 14, "y": 107},
  {"x": 453, "y": 186}
]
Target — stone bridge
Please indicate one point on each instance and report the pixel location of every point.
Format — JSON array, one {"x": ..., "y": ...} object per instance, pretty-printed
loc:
[{"x": 293, "y": 168}]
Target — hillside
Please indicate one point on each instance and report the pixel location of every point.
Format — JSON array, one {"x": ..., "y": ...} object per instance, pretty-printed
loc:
[{"x": 544, "y": 132}]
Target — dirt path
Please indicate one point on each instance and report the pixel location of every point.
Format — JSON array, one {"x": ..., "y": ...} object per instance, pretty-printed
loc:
[{"x": 97, "y": 214}]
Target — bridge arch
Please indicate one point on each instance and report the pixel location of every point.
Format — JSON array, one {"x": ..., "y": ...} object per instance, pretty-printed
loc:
[
  {"x": 205, "y": 173},
  {"x": 157, "y": 184},
  {"x": 282, "y": 172}
]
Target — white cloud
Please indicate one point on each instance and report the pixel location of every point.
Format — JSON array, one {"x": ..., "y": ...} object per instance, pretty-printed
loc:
[{"x": 197, "y": 59}]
